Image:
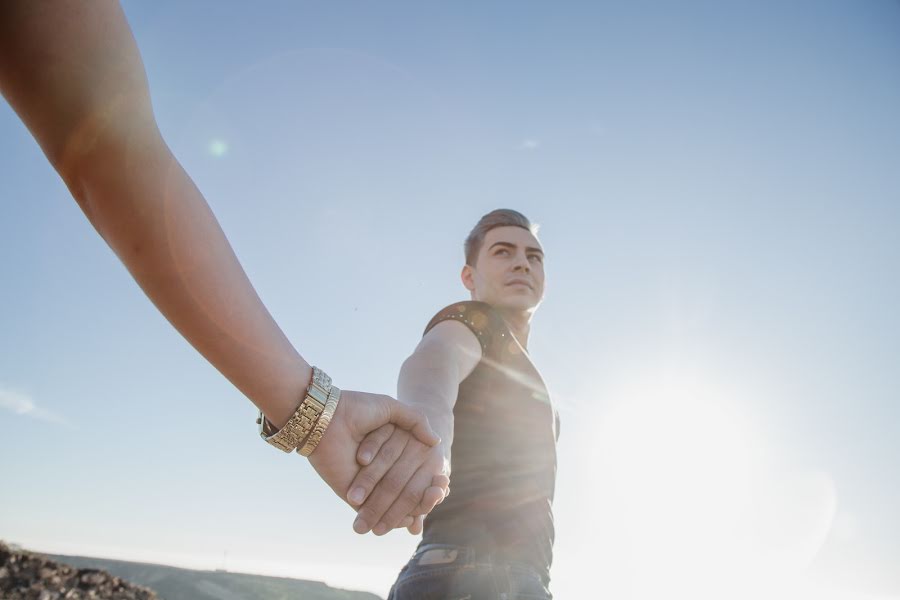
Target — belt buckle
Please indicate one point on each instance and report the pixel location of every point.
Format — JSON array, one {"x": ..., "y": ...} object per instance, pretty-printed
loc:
[{"x": 438, "y": 556}]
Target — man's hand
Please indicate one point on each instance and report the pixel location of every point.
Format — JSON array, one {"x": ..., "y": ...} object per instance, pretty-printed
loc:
[
  {"x": 335, "y": 458},
  {"x": 394, "y": 461}
]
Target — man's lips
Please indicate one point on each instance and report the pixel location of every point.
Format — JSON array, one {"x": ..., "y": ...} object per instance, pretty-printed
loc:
[{"x": 520, "y": 282}]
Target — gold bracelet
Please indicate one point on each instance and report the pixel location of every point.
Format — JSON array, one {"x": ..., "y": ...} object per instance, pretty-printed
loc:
[
  {"x": 324, "y": 421},
  {"x": 304, "y": 418}
]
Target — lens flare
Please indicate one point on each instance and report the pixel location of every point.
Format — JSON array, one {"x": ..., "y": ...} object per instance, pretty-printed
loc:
[{"x": 218, "y": 148}]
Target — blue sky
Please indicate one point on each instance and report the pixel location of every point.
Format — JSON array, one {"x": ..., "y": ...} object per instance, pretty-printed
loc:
[{"x": 719, "y": 194}]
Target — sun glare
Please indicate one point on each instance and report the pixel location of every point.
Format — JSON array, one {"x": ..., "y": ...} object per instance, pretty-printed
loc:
[{"x": 704, "y": 510}]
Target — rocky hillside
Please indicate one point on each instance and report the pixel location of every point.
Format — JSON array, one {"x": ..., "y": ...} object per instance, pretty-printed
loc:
[
  {"x": 28, "y": 576},
  {"x": 173, "y": 583}
]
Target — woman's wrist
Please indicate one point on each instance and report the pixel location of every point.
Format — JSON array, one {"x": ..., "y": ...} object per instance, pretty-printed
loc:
[{"x": 279, "y": 408}]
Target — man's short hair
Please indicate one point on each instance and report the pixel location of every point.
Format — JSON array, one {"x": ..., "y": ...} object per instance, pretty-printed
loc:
[{"x": 502, "y": 217}]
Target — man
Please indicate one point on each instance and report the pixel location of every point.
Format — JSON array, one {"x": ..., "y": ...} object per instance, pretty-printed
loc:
[
  {"x": 471, "y": 374},
  {"x": 73, "y": 73}
]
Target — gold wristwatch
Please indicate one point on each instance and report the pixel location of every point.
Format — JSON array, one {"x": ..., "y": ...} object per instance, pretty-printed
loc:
[
  {"x": 324, "y": 421},
  {"x": 301, "y": 423}
]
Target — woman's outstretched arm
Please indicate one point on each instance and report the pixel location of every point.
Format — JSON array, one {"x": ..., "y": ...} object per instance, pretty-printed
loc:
[{"x": 73, "y": 73}]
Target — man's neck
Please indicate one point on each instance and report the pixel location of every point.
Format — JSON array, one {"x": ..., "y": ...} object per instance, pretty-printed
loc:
[{"x": 519, "y": 323}]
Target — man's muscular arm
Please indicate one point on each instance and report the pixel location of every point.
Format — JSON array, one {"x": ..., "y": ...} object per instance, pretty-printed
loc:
[
  {"x": 429, "y": 381},
  {"x": 430, "y": 377}
]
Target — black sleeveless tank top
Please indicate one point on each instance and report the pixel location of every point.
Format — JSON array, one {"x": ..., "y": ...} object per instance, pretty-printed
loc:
[{"x": 503, "y": 456}]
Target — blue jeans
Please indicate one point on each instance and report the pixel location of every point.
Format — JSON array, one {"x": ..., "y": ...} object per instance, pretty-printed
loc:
[{"x": 446, "y": 572}]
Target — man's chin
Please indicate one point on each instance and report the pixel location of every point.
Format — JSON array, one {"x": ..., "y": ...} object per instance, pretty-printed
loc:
[{"x": 516, "y": 303}]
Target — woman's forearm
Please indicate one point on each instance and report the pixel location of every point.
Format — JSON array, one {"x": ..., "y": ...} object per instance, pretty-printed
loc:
[
  {"x": 157, "y": 222},
  {"x": 73, "y": 73}
]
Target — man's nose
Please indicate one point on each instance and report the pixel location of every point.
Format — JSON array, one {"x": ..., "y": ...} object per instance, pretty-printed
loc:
[{"x": 522, "y": 264}]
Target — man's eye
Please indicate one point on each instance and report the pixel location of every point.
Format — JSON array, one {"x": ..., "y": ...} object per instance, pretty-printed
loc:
[
  {"x": 537, "y": 257},
  {"x": 501, "y": 251}
]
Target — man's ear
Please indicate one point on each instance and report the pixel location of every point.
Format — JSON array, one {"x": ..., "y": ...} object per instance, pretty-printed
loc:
[{"x": 468, "y": 277}]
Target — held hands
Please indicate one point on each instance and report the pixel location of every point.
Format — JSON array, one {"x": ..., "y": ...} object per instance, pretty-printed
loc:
[
  {"x": 397, "y": 465},
  {"x": 404, "y": 478}
]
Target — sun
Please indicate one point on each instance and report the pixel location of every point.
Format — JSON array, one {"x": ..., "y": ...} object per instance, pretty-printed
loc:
[
  {"x": 701, "y": 507},
  {"x": 680, "y": 457}
]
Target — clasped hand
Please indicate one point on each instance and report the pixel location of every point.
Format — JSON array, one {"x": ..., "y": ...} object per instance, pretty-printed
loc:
[{"x": 382, "y": 458}]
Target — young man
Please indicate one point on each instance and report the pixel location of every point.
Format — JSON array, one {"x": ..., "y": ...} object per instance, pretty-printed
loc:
[{"x": 471, "y": 374}]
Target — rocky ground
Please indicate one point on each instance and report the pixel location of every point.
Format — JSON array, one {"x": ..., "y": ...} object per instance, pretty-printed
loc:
[{"x": 28, "y": 576}]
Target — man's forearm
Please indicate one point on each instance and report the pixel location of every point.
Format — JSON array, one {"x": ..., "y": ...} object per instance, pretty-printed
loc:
[{"x": 431, "y": 386}]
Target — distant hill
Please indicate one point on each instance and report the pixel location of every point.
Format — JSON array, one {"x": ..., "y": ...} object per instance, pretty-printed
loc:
[
  {"x": 28, "y": 575},
  {"x": 172, "y": 583}
]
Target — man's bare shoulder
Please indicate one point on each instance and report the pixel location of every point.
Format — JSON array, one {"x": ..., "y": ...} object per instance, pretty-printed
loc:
[
  {"x": 453, "y": 336},
  {"x": 451, "y": 342}
]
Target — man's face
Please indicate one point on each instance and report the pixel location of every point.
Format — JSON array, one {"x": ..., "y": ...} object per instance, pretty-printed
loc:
[{"x": 508, "y": 271}]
